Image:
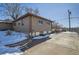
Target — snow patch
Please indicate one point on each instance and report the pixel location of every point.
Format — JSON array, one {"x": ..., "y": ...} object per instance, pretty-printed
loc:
[
  {"x": 13, "y": 38},
  {"x": 41, "y": 37},
  {"x": 4, "y": 50},
  {"x": 10, "y": 39}
]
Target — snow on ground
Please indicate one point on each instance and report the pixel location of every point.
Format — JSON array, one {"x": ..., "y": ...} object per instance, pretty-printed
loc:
[
  {"x": 19, "y": 53},
  {"x": 9, "y": 39},
  {"x": 40, "y": 37},
  {"x": 13, "y": 38},
  {"x": 4, "y": 50}
]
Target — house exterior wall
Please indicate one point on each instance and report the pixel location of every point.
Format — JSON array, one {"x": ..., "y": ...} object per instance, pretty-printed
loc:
[
  {"x": 37, "y": 27},
  {"x": 22, "y": 25},
  {"x": 5, "y": 26},
  {"x": 31, "y": 22}
]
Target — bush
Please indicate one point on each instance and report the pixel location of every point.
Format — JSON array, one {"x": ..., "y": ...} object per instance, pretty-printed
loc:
[{"x": 8, "y": 32}]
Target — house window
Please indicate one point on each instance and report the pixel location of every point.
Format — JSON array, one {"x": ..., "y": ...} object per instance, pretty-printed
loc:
[
  {"x": 22, "y": 24},
  {"x": 40, "y": 22},
  {"x": 14, "y": 24},
  {"x": 18, "y": 23}
]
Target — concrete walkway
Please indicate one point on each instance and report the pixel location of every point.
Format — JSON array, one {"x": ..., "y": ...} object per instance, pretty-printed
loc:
[{"x": 66, "y": 43}]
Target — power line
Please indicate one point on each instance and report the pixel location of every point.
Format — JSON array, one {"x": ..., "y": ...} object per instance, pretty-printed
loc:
[{"x": 70, "y": 17}]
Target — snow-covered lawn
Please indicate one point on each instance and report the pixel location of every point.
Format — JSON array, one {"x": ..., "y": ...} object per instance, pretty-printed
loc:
[
  {"x": 13, "y": 38},
  {"x": 9, "y": 39}
]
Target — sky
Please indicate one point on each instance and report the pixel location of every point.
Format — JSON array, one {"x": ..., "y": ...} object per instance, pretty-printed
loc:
[{"x": 56, "y": 12}]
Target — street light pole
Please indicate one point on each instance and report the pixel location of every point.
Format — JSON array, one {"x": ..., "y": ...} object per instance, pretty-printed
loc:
[{"x": 69, "y": 13}]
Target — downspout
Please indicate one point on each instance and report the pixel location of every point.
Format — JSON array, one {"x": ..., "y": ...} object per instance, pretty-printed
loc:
[
  {"x": 51, "y": 26},
  {"x": 30, "y": 29}
]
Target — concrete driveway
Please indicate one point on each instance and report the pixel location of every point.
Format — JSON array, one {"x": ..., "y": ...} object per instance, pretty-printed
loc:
[{"x": 65, "y": 43}]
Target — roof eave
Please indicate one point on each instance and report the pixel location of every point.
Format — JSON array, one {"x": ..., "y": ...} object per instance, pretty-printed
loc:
[{"x": 30, "y": 14}]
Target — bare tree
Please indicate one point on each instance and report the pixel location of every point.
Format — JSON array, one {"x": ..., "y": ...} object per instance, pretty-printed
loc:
[
  {"x": 13, "y": 10},
  {"x": 30, "y": 10},
  {"x": 36, "y": 11},
  {"x": 56, "y": 26}
]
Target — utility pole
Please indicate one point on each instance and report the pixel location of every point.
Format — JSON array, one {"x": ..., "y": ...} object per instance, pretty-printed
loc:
[{"x": 69, "y": 13}]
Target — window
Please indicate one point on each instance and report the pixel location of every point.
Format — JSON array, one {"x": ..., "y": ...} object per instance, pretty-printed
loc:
[
  {"x": 40, "y": 22},
  {"x": 14, "y": 24},
  {"x": 18, "y": 23},
  {"x": 22, "y": 24}
]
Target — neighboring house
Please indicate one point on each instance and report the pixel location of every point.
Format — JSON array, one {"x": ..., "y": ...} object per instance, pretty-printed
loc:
[
  {"x": 4, "y": 25},
  {"x": 29, "y": 23},
  {"x": 56, "y": 27}
]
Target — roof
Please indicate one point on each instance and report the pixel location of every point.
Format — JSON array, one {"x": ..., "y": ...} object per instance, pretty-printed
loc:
[
  {"x": 5, "y": 21},
  {"x": 30, "y": 14}
]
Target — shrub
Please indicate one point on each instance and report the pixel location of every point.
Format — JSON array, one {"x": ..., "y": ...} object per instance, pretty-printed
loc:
[{"x": 8, "y": 32}]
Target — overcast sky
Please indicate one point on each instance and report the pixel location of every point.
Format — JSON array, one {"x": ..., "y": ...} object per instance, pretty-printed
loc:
[{"x": 57, "y": 12}]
